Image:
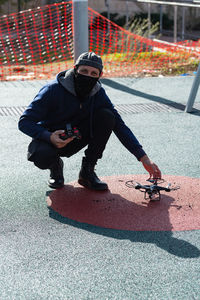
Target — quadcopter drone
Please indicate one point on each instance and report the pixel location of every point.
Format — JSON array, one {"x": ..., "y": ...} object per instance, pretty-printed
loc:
[{"x": 151, "y": 190}]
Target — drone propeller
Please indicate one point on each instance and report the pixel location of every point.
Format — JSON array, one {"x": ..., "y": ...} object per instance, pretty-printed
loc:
[
  {"x": 133, "y": 183},
  {"x": 175, "y": 188},
  {"x": 156, "y": 180},
  {"x": 172, "y": 188}
]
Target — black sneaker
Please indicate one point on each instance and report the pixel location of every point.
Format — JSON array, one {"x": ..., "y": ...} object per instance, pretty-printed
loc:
[{"x": 56, "y": 179}]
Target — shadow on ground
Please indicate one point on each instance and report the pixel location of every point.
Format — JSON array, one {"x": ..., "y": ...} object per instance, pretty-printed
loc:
[
  {"x": 163, "y": 239},
  {"x": 118, "y": 86},
  {"x": 108, "y": 209}
]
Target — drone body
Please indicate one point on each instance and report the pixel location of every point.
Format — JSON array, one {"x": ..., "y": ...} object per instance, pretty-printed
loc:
[{"x": 151, "y": 191}]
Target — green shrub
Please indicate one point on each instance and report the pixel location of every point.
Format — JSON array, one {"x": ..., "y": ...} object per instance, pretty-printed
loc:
[{"x": 155, "y": 18}]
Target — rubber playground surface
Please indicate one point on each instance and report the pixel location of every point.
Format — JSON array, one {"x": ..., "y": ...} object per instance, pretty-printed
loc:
[{"x": 77, "y": 244}]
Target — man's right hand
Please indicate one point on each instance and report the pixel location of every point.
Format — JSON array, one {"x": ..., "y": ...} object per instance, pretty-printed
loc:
[
  {"x": 57, "y": 141},
  {"x": 151, "y": 168}
]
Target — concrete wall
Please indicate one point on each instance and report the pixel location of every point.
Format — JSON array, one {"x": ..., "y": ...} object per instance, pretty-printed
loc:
[
  {"x": 11, "y": 6},
  {"x": 99, "y": 5},
  {"x": 117, "y": 6},
  {"x": 192, "y": 14}
]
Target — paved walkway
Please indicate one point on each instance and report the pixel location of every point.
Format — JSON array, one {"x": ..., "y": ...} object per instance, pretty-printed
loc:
[{"x": 44, "y": 255}]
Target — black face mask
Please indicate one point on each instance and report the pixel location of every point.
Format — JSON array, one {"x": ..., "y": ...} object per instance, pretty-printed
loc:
[{"x": 84, "y": 84}]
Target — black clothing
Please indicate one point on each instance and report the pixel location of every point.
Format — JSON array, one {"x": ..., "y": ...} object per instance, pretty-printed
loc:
[
  {"x": 58, "y": 104},
  {"x": 44, "y": 154}
]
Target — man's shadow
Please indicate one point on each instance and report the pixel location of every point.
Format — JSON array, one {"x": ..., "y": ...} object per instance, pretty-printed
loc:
[{"x": 111, "y": 206}]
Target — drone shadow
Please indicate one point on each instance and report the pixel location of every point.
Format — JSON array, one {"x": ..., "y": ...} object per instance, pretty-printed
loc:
[{"x": 119, "y": 212}]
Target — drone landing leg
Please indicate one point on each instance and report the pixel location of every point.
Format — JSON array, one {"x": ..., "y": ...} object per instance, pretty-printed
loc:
[{"x": 156, "y": 198}]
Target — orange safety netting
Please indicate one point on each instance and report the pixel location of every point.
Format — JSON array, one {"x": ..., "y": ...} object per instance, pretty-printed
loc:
[{"x": 38, "y": 43}]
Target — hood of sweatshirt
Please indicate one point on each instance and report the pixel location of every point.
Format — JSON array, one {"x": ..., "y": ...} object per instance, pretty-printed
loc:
[{"x": 66, "y": 79}]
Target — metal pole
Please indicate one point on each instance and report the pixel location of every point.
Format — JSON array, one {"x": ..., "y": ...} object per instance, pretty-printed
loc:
[
  {"x": 80, "y": 27},
  {"x": 107, "y": 4},
  {"x": 161, "y": 19},
  {"x": 127, "y": 15},
  {"x": 175, "y": 24},
  {"x": 8, "y": 10},
  {"x": 149, "y": 19},
  {"x": 109, "y": 10},
  {"x": 19, "y": 5},
  {"x": 183, "y": 23},
  {"x": 193, "y": 91}
]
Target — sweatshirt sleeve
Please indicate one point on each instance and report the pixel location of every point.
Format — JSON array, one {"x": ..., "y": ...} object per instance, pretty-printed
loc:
[
  {"x": 124, "y": 134},
  {"x": 29, "y": 122}
]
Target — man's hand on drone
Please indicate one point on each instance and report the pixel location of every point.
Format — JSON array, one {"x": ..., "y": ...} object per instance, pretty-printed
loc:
[{"x": 151, "y": 168}]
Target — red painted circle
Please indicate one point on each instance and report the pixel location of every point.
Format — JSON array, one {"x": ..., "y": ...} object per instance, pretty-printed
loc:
[{"x": 125, "y": 208}]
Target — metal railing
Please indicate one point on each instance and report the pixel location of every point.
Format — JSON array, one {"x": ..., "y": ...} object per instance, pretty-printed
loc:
[{"x": 175, "y": 4}]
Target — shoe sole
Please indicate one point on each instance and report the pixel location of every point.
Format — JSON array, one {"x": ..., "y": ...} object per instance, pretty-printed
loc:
[
  {"x": 88, "y": 186},
  {"x": 55, "y": 186}
]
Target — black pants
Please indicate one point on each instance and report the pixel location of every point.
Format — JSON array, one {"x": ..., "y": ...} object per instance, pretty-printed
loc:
[{"x": 44, "y": 154}]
